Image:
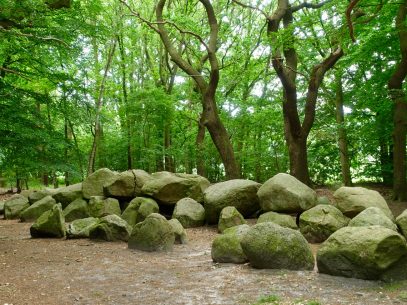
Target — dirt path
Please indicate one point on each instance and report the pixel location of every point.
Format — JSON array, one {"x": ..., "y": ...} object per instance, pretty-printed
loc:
[{"x": 52, "y": 271}]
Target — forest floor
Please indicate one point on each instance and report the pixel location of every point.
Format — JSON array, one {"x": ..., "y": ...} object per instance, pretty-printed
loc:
[{"x": 56, "y": 271}]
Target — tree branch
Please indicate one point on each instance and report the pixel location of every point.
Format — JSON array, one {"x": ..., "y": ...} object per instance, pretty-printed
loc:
[
  {"x": 49, "y": 38},
  {"x": 349, "y": 10},
  {"x": 251, "y": 7},
  {"x": 305, "y": 4}
]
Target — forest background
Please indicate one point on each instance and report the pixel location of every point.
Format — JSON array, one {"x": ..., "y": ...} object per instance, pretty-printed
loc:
[{"x": 226, "y": 89}]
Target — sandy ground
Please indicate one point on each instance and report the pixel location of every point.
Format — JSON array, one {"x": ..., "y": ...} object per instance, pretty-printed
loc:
[{"x": 57, "y": 271}]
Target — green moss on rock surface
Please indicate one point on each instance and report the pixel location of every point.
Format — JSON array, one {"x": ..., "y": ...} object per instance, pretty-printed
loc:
[
  {"x": 372, "y": 216},
  {"x": 37, "y": 209},
  {"x": 189, "y": 212},
  {"x": 360, "y": 252},
  {"x": 49, "y": 224},
  {"x": 110, "y": 228},
  {"x": 77, "y": 209},
  {"x": 229, "y": 217},
  {"x": 270, "y": 246},
  {"x": 14, "y": 206},
  {"x": 79, "y": 228},
  {"x": 100, "y": 206},
  {"x": 153, "y": 234},
  {"x": 179, "y": 231},
  {"x": 280, "y": 219}
]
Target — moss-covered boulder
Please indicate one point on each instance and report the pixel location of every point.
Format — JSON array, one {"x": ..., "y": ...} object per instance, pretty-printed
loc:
[
  {"x": 49, "y": 224},
  {"x": 14, "y": 206},
  {"x": 147, "y": 206},
  {"x": 100, "y": 206},
  {"x": 127, "y": 184},
  {"x": 360, "y": 252},
  {"x": 283, "y": 220},
  {"x": 189, "y": 213},
  {"x": 94, "y": 183},
  {"x": 372, "y": 216},
  {"x": 353, "y": 200},
  {"x": 396, "y": 272},
  {"x": 226, "y": 247},
  {"x": 153, "y": 234},
  {"x": 110, "y": 228},
  {"x": 79, "y": 228},
  {"x": 319, "y": 222},
  {"x": 323, "y": 200},
  {"x": 38, "y": 195},
  {"x": 179, "y": 231},
  {"x": 37, "y": 209},
  {"x": 230, "y": 217},
  {"x": 285, "y": 193},
  {"x": 65, "y": 195},
  {"x": 77, "y": 209},
  {"x": 401, "y": 222},
  {"x": 168, "y": 188},
  {"x": 238, "y": 193},
  {"x": 270, "y": 246}
]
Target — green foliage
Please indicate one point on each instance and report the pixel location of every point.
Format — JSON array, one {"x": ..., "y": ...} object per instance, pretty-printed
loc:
[{"x": 268, "y": 299}]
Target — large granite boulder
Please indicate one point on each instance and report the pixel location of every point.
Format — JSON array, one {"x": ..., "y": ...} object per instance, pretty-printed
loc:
[
  {"x": 153, "y": 234},
  {"x": 110, "y": 228},
  {"x": 372, "y": 216},
  {"x": 360, "y": 252},
  {"x": 396, "y": 272},
  {"x": 284, "y": 193},
  {"x": 65, "y": 195},
  {"x": 49, "y": 224},
  {"x": 319, "y": 222},
  {"x": 138, "y": 209},
  {"x": 189, "y": 212},
  {"x": 127, "y": 184},
  {"x": 179, "y": 231},
  {"x": 94, "y": 183},
  {"x": 238, "y": 193},
  {"x": 79, "y": 228},
  {"x": 230, "y": 217},
  {"x": 401, "y": 222},
  {"x": 14, "y": 206},
  {"x": 77, "y": 209},
  {"x": 353, "y": 200},
  {"x": 268, "y": 245},
  {"x": 100, "y": 206},
  {"x": 37, "y": 209},
  {"x": 168, "y": 188},
  {"x": 280, "y": 219},
  {"x": 226, "y": 247},
  {"x": 38, "y": 195}
]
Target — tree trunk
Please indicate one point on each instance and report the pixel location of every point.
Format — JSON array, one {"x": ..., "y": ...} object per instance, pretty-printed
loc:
[
  {"x": 297, "y": 150},
  {"x": 168, "y": 159},
  {"x": 342, "y": 135},
  {"x": 200, "y": 137},
  {"x": 397, "y": 94},
  {"x": 220, "y": 137}
]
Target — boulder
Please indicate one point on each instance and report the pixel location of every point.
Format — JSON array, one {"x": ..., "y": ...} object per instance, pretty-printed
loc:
[
  {"x": 168, "y": 188},
  {"x": 147, "y": 207},
  {"x": 110, "y": 228},
  {"x": 323, "y": 200},
  {"x": 360, "y": 252},
  {"x": 284, "y": 193},
  {"x": 38, "y": 195},
  {"x": 230, "y": 217},
  {"x": 26, "y": 193},
  {"x": 226, "y": 247},
  {"x": 401, "y": 222},
  {"x": 268, "y": 245},
  {"x": 37, "y": 209},
  {"x": 372, "y": 216},
  {"x": 14, "y": 206},
  {"x": 77, "y": 209},
  {"x": 79, "y": 228},
  {"x": 94, "y": 183},
  {"x": 153, "y": 234},
  {"x": 396, "y": 272},
  {"x": 127, "y": 184},
  {"x": 65, "y": 195},
  {"x": 280, "y": 219},
  {"x": 49, "y": 224},
  {"x": 319, "y": 222},
  {"x": 353, "y": 200},
  {"x": 189, "y": 212},
  {"x": 238, "y": 193},
  {"x": 179, "y": 231},
  {"x": 130, "y": 214},
  {"x": 100, "y": 206}
]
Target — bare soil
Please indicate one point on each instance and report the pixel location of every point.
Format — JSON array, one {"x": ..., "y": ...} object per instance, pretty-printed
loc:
[{"x": 57, "y": 271}]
